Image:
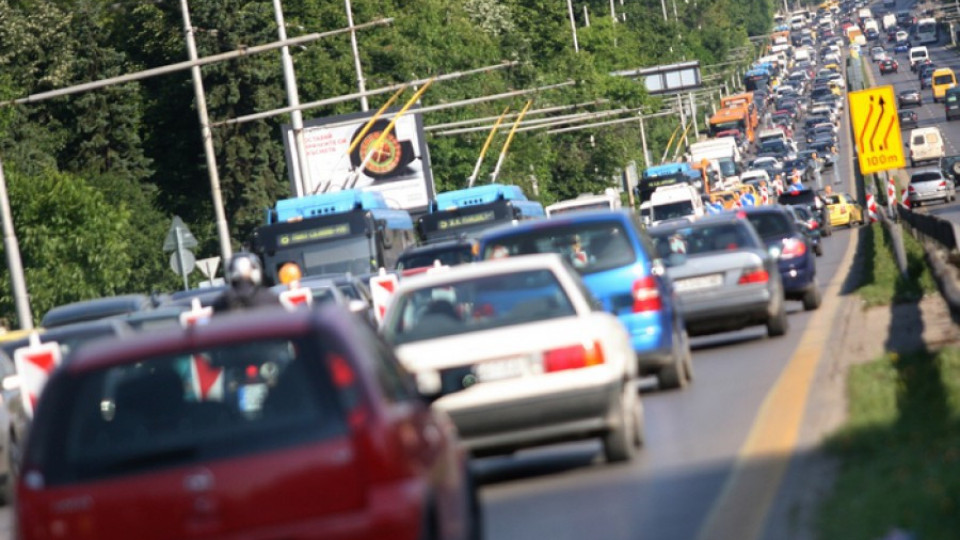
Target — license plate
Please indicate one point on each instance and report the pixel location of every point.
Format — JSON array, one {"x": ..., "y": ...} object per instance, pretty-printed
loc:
[
  {"x": 504, "y": 368},
  {"x": 698, "y": 283}
]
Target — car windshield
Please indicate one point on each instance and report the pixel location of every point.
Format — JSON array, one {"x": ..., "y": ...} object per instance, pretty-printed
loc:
[
  {"x": 929, "y": 176},
  {"x": 770, "y": 224},
  {"x": 672, "y": 210},
  {"x": 190, "y": 407},
  {"x": 605, "y": 244},
  {"x": 700, "y": 239},
  {"x": 477, "y": 304}
]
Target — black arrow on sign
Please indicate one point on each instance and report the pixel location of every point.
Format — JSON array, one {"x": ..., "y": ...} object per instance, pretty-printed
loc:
[{"x": 877, "y": 125}]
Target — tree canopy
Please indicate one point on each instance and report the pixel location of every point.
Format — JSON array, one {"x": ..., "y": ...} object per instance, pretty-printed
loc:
[{"x": 96, "y": 177}]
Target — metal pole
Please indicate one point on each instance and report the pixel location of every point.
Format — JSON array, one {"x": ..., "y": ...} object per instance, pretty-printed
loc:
[
  {"x": 506, "y": 145},
  {"x": 643, "y": 143},
  {"x": 693, "y": 115},
  {"x": 14, "y": 264},
  {"x": 226, "y": 251},
  {"x": 573, "y": 25},
  {"x": 361, "y": 85},
  {"x": 675, "y": 16},
  {"x": 486, "y": 146},
  {"x": 293, "y": 99},
  {"x": 613, "y": 13},
  {"x": 180, "y": 265},
  {"x": 586, "y": 16},
  {"x": 663, "y": 4}
]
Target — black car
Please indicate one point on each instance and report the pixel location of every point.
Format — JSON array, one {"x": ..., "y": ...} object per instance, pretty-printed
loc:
[
  {"x": 888, "y": 65},
  {"x": 909, "y": 97},
  {"x": 809, "y": 225},
  {"x": 449, "y": 253},
  {"x": 908, "y": 118},
  {"x": 812, "y": 201}
]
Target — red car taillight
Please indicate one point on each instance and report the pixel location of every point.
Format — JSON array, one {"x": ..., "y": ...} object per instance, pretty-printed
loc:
[
  {"x": 646, "y": 295},
  {"x": 912, "y": 189},
  {"x": 572, "y": 357},
  {"x": 754, "y": 275},
  {"x": 943, "y": 184},
  {"x": 813, "y": 224},
  {"x": 793, "y": 248}
]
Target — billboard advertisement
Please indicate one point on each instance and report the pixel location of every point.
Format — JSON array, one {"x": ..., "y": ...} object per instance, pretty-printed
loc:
[{"x": 399, "y": 169}]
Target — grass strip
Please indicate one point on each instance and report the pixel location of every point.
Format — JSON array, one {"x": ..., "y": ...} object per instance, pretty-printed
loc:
[
  {"x": 881, "y": 282},
  {"x": 899, "y": 450}
]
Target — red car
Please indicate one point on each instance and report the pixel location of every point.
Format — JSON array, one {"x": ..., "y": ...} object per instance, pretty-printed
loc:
[
  {"x": 888, "y": 65},
  {"x": 259, "y": 425}
]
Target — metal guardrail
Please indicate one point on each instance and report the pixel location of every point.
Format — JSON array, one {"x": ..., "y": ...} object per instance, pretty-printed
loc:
[{"x": 944, "y": 232}]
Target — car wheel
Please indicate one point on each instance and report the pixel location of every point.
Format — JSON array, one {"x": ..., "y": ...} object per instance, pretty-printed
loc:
[
  {"x": 812, "y": 298},
  {"x": 818, "y": 250},
  {"x": 777, "y": 324},
  {"x": 674, "y": 375},
  {"x": 474, "y": 508},
  {"x": 620, "y": 442}
]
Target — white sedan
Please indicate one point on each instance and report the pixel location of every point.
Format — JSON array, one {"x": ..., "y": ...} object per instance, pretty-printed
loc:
[{"x": 516, "y": 353}]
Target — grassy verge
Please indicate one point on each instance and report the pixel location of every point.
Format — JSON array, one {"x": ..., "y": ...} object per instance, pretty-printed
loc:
[
  {"x": 882, "y": 283},
  {"x": 900, "y": 450}
]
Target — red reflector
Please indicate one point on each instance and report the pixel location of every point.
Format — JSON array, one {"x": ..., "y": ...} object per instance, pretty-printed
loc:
[
  {"x": 646, "y": 296},
  {"x": 943, "y": 184},
  {"x": 341, "y": 371},
  {"x": 572, "y": 357},
  {"x": 793, "y": 248},
  {"x": 754, "y": 276},
  {"x": 813, "y": 224}
]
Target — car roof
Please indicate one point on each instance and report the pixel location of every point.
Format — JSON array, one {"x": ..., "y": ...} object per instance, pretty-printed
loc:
[
  {"x": 228, "y": 328},
  {"x": 98, "y": 308},
  {"x": 563, "y": 220},
  {"x": 97, "y": 329},
  {"x": 492, "y": 267}
]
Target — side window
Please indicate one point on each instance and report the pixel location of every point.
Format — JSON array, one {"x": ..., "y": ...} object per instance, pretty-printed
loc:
[{"x": 395, "y": 381}]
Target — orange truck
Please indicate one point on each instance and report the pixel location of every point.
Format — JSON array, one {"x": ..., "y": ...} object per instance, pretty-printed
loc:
[{"x": 735, "y": 117}]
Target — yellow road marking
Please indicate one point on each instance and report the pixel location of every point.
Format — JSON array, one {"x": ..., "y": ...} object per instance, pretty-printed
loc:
[{"x": 740, "y": 512}]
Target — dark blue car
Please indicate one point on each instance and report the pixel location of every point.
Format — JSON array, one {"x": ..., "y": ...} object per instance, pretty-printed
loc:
[
  {"x": 793, "y": 249},
  {"x": 614, "y": 255}
]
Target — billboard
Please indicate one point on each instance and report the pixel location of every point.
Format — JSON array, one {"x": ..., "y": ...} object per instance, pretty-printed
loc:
[{"x": 399, "y": 169}]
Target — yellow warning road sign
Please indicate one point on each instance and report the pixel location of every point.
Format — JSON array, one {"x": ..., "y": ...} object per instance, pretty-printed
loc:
[{"x": 876, "y": 129}]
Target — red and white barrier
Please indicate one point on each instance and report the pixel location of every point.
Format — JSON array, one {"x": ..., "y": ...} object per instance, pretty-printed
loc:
[
  {"x": 35, "y": 363},
  {"x": 872, "y": 209}
]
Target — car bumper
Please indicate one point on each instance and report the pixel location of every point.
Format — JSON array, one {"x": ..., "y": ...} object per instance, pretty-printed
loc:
[
  {"x": 727, "y": 309},
  {"x": 797, "y": 275},
  {"x": 508, "y": 415},
  {"x": 939, "y": 195},
  {"x": 651, "y": 335}
]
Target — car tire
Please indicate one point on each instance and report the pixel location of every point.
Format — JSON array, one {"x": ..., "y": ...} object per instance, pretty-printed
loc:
[
  {"x": 675, "y": 375},
  {"x": 812, "y": 298},
  {"x": 777, "y": 324},
  {"x": 818, "y": 250},
  {"x": 620, "y": 442}
]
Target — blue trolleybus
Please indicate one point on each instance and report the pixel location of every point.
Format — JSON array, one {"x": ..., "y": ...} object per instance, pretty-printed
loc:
[
  {"x": 333, "y": 233},
  {"x": 465, "y": 212}
]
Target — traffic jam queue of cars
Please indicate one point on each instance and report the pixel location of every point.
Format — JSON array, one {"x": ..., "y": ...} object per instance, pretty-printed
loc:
[{"x": 351, "y": 408}]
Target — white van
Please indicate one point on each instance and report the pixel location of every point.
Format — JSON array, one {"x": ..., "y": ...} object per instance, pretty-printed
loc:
[
  {"x": 917, "y": 54},
  {"x": 679, "y": 201},
  {"x": 926, "y": 144}
]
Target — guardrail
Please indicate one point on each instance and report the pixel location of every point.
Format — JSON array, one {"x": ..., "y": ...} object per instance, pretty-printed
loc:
[{"x": 941, "y": 231}]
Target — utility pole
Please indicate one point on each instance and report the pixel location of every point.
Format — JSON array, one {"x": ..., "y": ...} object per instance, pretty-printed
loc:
[
  {"x": 361, "y": 85},
  {"x": 293, "y": 100},
  {"x": 663, "y": 4},
  {"x": 226, "y": 250},
  {"x": 573, "y": 26},
  {"x": 12, "y": 248}
]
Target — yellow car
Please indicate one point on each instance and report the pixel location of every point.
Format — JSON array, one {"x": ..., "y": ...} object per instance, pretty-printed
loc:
[
  {"x": 844, "y": 210},
  {"x": 729, "y": 199}
]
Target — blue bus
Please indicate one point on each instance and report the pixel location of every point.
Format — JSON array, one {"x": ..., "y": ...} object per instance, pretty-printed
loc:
[
  {"x": 465, "y": 212},
  {"x": 333, "y": 233},
  {"x": 667, "y": 174}
]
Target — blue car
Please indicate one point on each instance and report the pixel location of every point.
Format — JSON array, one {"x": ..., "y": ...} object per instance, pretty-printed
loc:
[
  {"x": 795, "y": 252},
  {"x": 901, "y": 47},
  {"x": 614, "y": 255}
]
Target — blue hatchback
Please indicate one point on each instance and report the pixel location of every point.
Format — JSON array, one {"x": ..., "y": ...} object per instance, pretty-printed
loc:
[
  {"x": 794, "y": 250},
  {"x": 612, "y": 252}
]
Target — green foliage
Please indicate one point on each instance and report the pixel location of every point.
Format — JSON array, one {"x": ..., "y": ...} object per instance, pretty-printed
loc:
[
  {"x": 139, "y": 146},
  {"x": 74, "y": 243}
]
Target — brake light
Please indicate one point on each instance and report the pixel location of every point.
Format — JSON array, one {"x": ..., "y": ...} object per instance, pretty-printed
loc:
[
  {"x": 572, "y": 357},
  {"x": 646, "y": 295},
  {"x": 793, "y": 247},
  {"x": 813, "y": 224},
  {"x": 943, "y": 184},
  {"x": 754, "y": 275}
]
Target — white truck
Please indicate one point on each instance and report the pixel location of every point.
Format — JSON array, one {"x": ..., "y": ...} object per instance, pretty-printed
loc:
[
  {"x": 679, "y": 201},
  {"x": 889, "y": 21},
  {"x": 609, "y": 200},
  {"x": 722, "y": 150}
]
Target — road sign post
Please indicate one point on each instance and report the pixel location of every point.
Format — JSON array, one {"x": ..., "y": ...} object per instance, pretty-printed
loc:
[
  {"x": 179, "y": 240},
  {"x": 876, "y": 129}
]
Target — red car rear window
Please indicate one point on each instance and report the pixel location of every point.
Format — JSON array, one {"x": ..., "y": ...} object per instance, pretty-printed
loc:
[{"x": 197, "y": 406}]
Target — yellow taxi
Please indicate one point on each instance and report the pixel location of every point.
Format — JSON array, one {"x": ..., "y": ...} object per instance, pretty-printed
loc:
[
  {"x": 728, "y": 198},
  {"x": 844, "y": 210}
]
